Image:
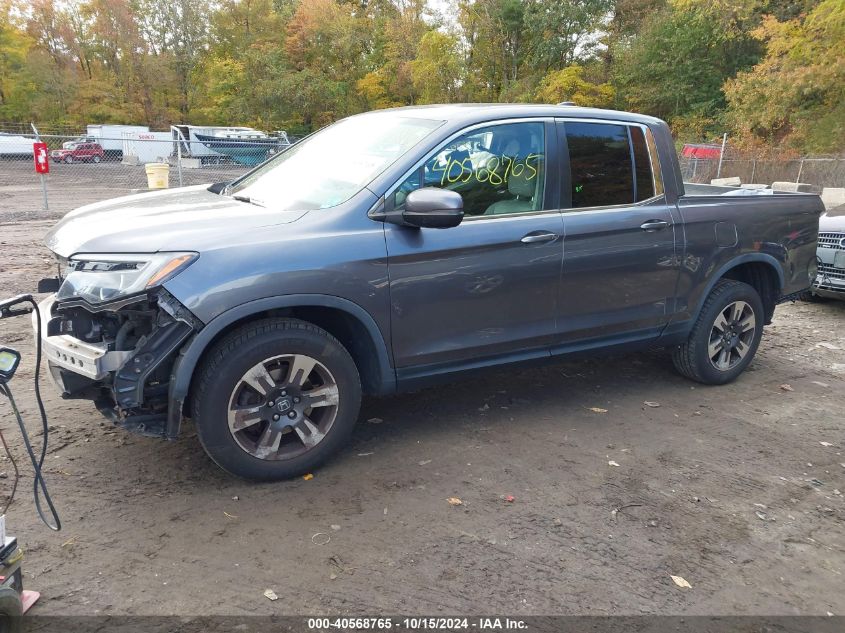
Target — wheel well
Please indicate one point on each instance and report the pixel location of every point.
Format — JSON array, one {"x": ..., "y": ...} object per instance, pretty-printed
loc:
[
  {"x": 347, "y": 329},
  {"x": 763, "y": 278}
]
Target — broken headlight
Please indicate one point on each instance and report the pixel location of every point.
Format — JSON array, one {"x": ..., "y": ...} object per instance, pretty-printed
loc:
[{"x": 99, "y": 277}]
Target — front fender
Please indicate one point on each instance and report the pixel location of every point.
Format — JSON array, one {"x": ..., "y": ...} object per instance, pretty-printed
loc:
[{"x": 189, "y": 356}]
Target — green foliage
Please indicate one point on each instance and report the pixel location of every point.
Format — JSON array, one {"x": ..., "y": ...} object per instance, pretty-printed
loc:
[
  {"x": 436, "y": 71},
  {"x": 17, "y": 86},
  {"x": 569, "y": 85},
  {"x": 796, "y": 94},
  {"x": 559, "y": 29},
  {"x": 676, "y": 66}
]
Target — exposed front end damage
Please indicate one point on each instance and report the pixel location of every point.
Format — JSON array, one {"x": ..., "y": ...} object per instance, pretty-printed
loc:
[{"x": 120, "y": 354}]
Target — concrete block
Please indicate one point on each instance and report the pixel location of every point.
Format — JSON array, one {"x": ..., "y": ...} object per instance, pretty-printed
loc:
[
  {"x": 130, "y": 159},
  {"x": 733, "y": 181},
  {"x": 794, "y": 187},
  {"x": 833, "y": 197},
  {"x": 191, "y": 163},
  {"x": 754, "y": 185}
]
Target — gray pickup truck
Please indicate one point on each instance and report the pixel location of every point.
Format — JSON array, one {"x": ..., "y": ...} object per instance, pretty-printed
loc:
[{"x": 399, "y": 248}]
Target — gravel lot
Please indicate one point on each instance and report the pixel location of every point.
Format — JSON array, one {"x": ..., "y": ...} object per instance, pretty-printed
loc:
[{"x": 737, "y": 489}]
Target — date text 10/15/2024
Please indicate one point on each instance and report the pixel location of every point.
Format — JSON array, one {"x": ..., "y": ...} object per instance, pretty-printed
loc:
[{"x": 417, "y": 624}]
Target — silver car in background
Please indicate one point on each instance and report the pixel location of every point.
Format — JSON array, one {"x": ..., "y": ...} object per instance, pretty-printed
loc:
[{"x": 830, "y": 279}]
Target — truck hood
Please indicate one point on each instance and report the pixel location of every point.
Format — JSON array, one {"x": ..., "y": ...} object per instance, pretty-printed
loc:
[{"x": 188, "y": 218}]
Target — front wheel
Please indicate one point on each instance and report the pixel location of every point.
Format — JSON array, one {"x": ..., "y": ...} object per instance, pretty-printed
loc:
[
  {"x": 68, "y": 160},
  {"x": 725, "y": 336},
  {"x": 275, "y": 399}
]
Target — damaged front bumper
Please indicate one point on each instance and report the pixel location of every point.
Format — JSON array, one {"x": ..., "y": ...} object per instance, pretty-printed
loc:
[{"x": 120, "y": 355}]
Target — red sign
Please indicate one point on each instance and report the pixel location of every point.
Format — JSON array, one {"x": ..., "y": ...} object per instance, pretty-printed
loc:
[
  {"x": 700, "y": 150},
  {"x": 42, "y": 161}
]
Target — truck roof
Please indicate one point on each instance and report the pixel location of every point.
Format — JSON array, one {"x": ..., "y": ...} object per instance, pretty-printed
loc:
[{"x": 471, "y": 112}]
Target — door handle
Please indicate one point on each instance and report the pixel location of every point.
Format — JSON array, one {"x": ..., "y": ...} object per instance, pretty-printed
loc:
[
  {"x": 654, "y": 225},
  {"x": 536, "y": 237}
]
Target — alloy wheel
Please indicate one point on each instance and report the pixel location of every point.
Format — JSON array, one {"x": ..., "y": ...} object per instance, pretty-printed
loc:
[
  {"x": 283, "y": 407},
  {"x": 731, "y": 335}
]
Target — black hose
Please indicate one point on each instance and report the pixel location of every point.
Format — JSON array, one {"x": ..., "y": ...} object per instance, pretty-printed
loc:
[
  {"x": 39, "y": 486},
  {"x": 17, "y": 473}
]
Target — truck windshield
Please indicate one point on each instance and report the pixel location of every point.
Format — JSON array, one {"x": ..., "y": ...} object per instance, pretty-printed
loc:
[{"x": 331, "y": 166}]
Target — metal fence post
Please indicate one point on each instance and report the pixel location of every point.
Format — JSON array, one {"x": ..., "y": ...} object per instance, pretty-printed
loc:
[
  {"x": 800, "y": 170},
  {"x": 753, "y": 168},
  {"x": 722, "y": 155},
  {"x": 179, "y": 161}
]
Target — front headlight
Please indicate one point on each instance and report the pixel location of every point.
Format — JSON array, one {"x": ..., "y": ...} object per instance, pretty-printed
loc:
[{"x": 99, "y": 277}]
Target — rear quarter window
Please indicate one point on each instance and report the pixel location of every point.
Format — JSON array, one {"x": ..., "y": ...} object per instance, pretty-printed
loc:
[{"x": 642, "y": 166}]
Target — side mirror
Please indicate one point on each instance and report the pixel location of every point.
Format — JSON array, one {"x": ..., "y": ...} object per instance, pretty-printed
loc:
[
  {"x": 433, "y": 208},
  {"x": 217, "y": 187}
]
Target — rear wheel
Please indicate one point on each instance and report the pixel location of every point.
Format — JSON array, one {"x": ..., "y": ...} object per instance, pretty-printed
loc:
[
  {"x": 96, "y": 159},
  {"x": 725, "y": 336},
  {"x": 275, "y": 399}
]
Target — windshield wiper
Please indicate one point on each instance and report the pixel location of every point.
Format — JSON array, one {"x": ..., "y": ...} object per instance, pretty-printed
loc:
[{"x": 248, "y": 200}]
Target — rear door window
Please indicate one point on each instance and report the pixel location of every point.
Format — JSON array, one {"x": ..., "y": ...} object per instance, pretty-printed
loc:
[{"x": 610, "y": 164}]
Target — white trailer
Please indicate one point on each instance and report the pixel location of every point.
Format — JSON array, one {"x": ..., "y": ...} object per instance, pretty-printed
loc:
[
  {"x": 110, "y": 137},
  {"x": 140, "y": 148}
]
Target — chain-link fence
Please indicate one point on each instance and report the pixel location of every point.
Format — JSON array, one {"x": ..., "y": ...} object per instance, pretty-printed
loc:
[
  {"x": 85, "y": 169},
  {"x": 820, "y": 172}
]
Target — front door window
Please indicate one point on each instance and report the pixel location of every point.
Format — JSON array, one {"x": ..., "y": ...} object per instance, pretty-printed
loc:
[{"x": 498, "y": 170}]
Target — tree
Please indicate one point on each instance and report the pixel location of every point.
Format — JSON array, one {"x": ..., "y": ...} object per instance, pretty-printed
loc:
[
  {"x": 331, "y": 45},
  {"x": 176, "y": 32},
  {"x": 796, "y": 94},
  {"x": 561, "y": 31},
  {"x": 497, "y": 43},
  {"x": 677, "y": 64},
  {"x": 436, "y": 71},
  {"x": 239, "y": 78},
  {"x": 16, "y": 84},
  {"x": 569, "y": 85}
]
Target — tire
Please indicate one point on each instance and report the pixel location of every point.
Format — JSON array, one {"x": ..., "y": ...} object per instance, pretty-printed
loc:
[
  {"x": 68, "y": 160},
  {"x": 263, "y": 411},
  {"x": 693, "y": 358},
  {"x": 96, "y": 159}
]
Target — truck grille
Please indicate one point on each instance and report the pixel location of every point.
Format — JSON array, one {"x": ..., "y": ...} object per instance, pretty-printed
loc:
[
  {"x": 826, "y": 270},
  {"x": 832, "y": 240}
]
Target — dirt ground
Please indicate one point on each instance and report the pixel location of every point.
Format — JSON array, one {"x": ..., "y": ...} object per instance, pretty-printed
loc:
[{"x": 737, "y": 489}]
